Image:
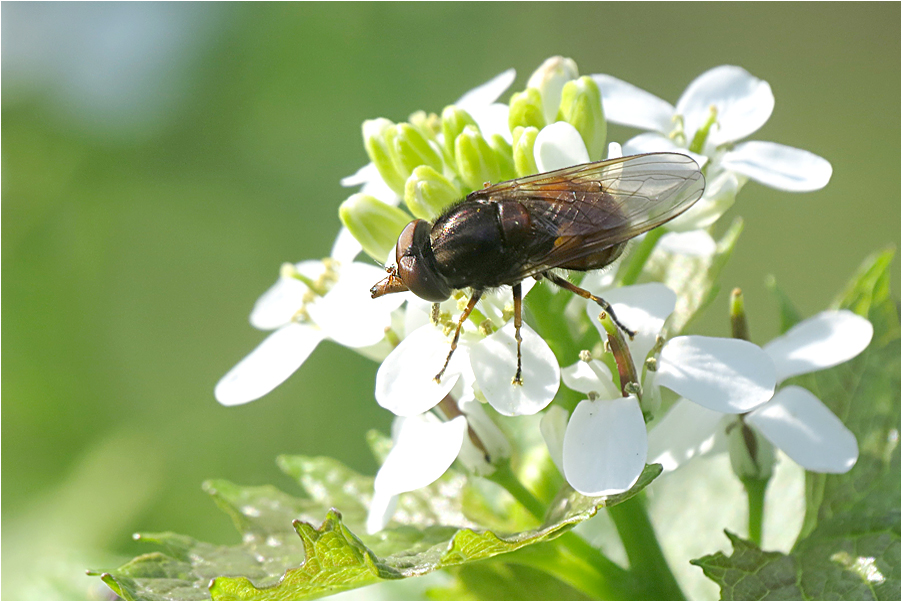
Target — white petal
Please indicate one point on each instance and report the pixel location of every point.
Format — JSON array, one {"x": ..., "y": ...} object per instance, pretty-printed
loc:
[
  {"x": 598, "y": 281},
  {"x": 727, "y": 375},
  {"x": 496, "y": 444},
  {"x": 267, "y": 366},
  {"x": 588, "y": 377},
  {"x": 493, "y": 119},
  {"x": 744, "y": 103},
  {"x": 361, "y": 176},
  {"x": 373, "y": 184},
  {"x": 822, "y": 341},
  {"x": 494, "y": 362},
  {"x": 779, "y": 166},
  {"x": 806, "y": 430},
  {"x": 642, "y": 308},
  {"x": 488, "y": 92},
  {"x": 553, "y": 426},
  {"x": 695, "y": 243},
  {"x": 720, "y": 194},
  {"x": 628, "y": 105},
  {"x": 651, "y": 142},
  {"x": 559, "y": 145},
  {"x": 615, "y": 151},
  {"x": 345, "y": 248},
  {"x": 278, "y": 305},
  {"x": 404, "y": 382},
  {"x": 347, "y": 313},
  {"x": 423, "y": 450},
  {"x": 549, "y": 80},
  {"x": 605, "y": 446},
  {"x": 687, "y": 431},
  {"x": 380, "y": 511}
]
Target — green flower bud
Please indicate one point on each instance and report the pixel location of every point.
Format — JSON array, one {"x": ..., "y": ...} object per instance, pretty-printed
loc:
[
  {"x": 454, "y": 120},
  {"x": 581, "y": 108},
  {"x": 549, "y": 80},
  {"x": 752, "y": 456},
  {"x": 411, "y": 150},
  {"x": 505, "y": 155},
  {"x": 738, "y": 320},
  {"x": 378, "y": 135},
  {"x": 476, "y": 161},
  {"x": 428, "y": 192},
  {"x": 375, "y": 225},
  {"x": 428, "y": 124},
  {"x": 526, "y": 109},
  {"x": 524, "y": 151}
]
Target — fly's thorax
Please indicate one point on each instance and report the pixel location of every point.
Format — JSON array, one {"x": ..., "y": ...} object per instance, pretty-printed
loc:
[{"x": 478, "y": 244}]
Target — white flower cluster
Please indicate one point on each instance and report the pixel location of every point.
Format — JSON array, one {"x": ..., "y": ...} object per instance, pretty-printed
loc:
[{"x": 602, "y": 447}]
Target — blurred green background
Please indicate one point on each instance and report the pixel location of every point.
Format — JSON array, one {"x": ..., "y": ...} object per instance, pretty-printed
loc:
[{"x": 160, "y": 161}]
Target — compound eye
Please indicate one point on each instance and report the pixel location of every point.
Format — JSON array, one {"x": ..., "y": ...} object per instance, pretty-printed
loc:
[
  {"x": 414, "y": 271},
  {"x": 405, "y": 246}
]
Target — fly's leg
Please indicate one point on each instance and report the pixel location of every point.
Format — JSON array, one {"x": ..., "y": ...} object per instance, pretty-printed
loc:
[
  {"x": 564, "y": 283},
  {"x": 518, "y": 321},
  {"x": 470, "y": 305}
]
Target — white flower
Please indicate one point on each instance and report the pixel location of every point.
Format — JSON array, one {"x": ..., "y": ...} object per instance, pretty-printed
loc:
[
  {"x": 335, "y": 305},
  {"x": 424, "y": 447},
  {"x": 405, "y": 381},
  {"x": 604, "y": 446},
  {"x": 794, "y": 420},
  {"x": 734, "y": 104}
]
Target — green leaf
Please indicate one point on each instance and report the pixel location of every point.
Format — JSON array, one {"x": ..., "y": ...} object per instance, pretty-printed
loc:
[
  {"x": 750, "y": 574},
  {"x": 789, "y": 315},
  {"x": 283, "y": 555},
  {"x": 849, "y": 545}
]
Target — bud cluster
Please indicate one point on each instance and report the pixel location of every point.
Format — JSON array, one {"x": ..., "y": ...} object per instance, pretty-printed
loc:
[{"x": 431, "y": 161}]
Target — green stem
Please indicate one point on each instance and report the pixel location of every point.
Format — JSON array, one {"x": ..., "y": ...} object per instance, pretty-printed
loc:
[
  {"x": 572, "y": 560},
  {"x": 505, "y": 477},
  {"x": 755, "y": 489},
  {"x": 632, "y": 268},
  {"x": 569, "y": 558},
  {"x": 643, "y": 551},
  {"x": 545, "y": 315}
]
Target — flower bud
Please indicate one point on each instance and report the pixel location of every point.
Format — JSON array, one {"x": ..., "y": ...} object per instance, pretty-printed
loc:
[
  {"x": 524, "y": 155},
  {"x": 378, "y": 135},
  {"x": 505, "y": 155},
  {"x": 752, "y": 456},
  {"x": 412, "y": 150},
  {"x": 738, "y": 321},
  {"x": 476, "y": 161},
  {"x": 454, "y": 120},
  {"x": 526, "y": 109},
  {"x": 429, "y": 124},
  {"x": 549, "y": 80},
  {"x": 428, "y": 192},
  {"x": 581, "y": 108},
  {"x": 375, "y": 225}
]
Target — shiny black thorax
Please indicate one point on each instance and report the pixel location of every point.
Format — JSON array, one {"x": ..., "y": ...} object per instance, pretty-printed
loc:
[{"x": 483, "y": 244}]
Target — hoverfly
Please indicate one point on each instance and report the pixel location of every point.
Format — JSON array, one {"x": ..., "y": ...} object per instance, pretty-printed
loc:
[{"x": 576, "y": 218}]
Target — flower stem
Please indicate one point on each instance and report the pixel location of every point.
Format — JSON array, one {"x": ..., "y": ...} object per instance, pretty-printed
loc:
[
  {"x": 505, "y": 477},
  {"x": 630, "y": 270},
  {"x": 645, "y": 555},
  {"x": 569, "y": 558},
  {"x": 754, "y": 489},
  {"x": 575, "y": 562}
]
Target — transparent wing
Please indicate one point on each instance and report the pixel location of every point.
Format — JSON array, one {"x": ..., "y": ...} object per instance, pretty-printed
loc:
[{"x": 590, "y": 207}]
